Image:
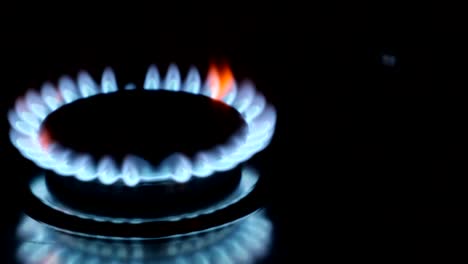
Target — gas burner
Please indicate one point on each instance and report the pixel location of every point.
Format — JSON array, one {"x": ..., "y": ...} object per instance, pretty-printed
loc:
[{"x": 164, "y": 161}]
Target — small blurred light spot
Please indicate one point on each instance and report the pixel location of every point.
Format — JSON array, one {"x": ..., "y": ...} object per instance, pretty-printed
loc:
[
  {"x": 130, "y": 86},
  {"x": 388, "y": 60}
]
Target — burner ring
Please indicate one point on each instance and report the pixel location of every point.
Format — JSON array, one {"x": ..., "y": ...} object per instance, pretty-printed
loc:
[
  {"x": 242, "y": 203},
  {"x": 29, "y": 113},
  {"x": 247, "y": 183}
]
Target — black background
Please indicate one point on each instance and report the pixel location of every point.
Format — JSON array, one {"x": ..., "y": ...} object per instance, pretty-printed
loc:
[{"x": 368, "y": 160}]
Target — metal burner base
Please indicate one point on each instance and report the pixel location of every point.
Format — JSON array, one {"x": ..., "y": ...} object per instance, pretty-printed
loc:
[
  {"x": 147, "y": 200},
  {"x": 45, "y": 207}
]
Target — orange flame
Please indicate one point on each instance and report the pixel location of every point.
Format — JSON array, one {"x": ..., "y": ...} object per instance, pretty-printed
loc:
[
  {"x": 45, "y": 139},
  {"x": 220, "y": 80}
]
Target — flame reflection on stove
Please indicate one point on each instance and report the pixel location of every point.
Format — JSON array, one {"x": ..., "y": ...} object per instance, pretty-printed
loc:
[{"x": 245, "y": 242}]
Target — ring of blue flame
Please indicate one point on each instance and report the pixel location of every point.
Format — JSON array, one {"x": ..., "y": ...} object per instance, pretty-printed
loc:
[{"x": 30, "y": 111}]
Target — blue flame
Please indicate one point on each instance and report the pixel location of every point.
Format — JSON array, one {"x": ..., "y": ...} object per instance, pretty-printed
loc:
[
  {"x": 50, "y": 96},
  {"x": 108, "y": 81},
  {"x": 34, "y": 100},
  {"x": 68, "y": 89},
  {"x": 87, "y": 85},
  {"x": 192, "y": 83},
  {"x": 152, "y": 79},
  {"x": 172, "y": 81},
  {"x": 245, "y": 242},
  {"x": 29, "y": 112}
]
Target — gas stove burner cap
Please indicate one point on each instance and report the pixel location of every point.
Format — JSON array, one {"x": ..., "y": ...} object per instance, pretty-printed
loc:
[{"x": 35, "y": 143}]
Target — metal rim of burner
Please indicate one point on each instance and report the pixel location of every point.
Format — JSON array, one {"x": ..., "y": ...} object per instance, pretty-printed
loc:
[
  {"x": 232, "y": 210},
  {"x": 28, "y": 114},
  {"x": 41, "y": 190}
]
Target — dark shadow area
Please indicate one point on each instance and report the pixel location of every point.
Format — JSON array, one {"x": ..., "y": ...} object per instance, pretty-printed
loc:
[{"x": 150, "y": 124}]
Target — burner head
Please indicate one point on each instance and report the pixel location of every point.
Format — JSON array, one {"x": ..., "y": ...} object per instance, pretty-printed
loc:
[
  {"x": 42, "y": 204},
  {"x": 147, "y": 200},
  {"x": 148, "y": 124}
]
